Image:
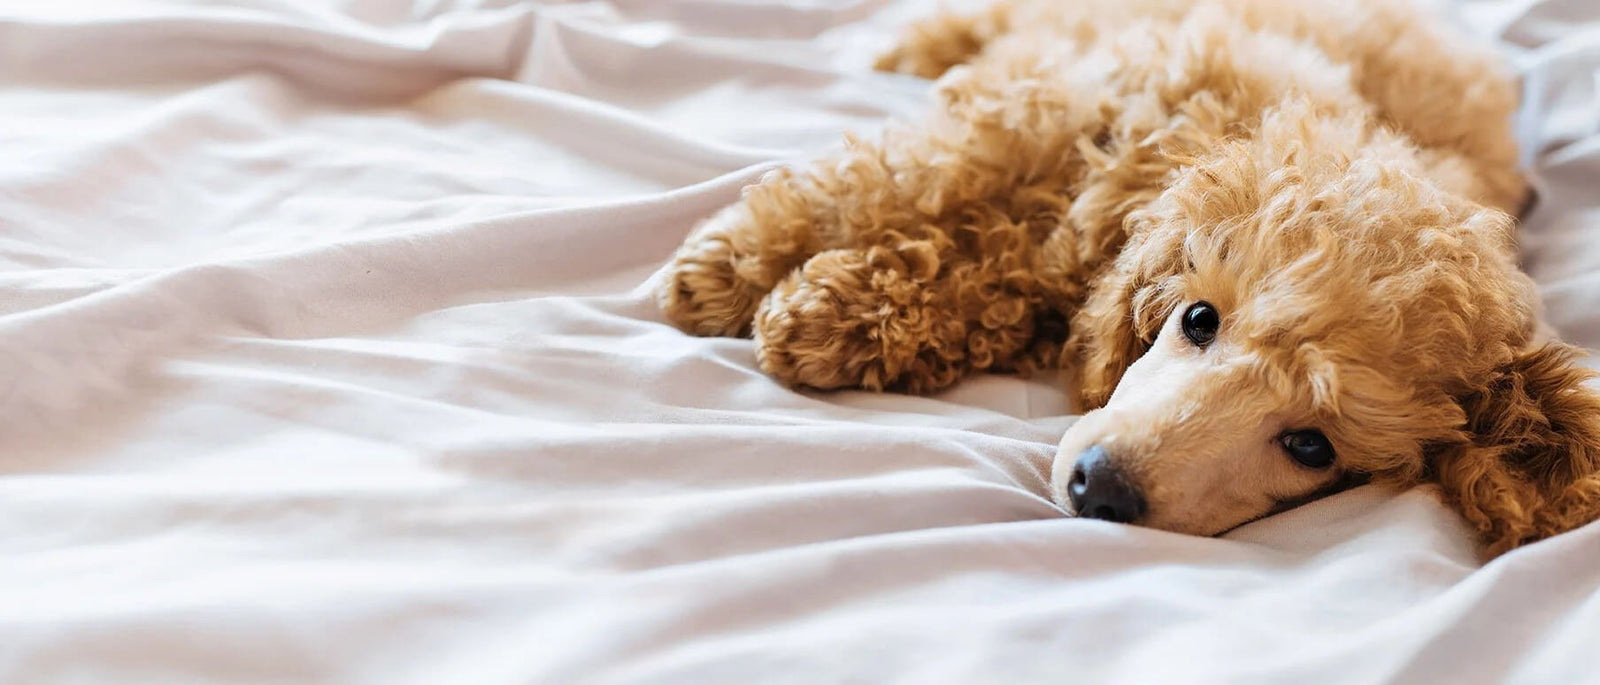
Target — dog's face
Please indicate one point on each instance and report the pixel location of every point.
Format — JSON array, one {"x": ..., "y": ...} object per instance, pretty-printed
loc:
[
  {"x": 1284, "y": 323},
  {"x": 1207, "y": 430},
  {"x": 1280, "y": 371}
]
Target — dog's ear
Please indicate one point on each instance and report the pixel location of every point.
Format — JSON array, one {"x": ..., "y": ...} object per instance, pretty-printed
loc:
[
  {"x": 1104, "y": 335},
  {"x": 1125, "y": 308},
  {"x": 1529, "y": 466}
]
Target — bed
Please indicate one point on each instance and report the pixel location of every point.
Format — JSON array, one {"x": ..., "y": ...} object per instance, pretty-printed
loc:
[{"x": 329, "y": 356}]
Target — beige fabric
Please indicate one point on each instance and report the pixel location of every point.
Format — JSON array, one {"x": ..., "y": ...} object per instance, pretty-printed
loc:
[{"x": 328, "y": 357}]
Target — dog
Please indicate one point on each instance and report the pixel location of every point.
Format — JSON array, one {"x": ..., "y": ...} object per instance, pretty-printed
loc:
[{"x": 1274, "y": 240}]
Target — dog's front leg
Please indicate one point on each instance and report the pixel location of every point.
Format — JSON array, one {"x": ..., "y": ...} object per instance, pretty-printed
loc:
[{"x": 852, "y": 256}]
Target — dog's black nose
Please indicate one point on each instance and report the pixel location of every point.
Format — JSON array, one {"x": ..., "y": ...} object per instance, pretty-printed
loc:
[{"x": 1099, "y": 491}]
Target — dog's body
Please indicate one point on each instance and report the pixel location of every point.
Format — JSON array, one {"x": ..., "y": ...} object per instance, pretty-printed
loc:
[{"x": 1255, "y": 228}]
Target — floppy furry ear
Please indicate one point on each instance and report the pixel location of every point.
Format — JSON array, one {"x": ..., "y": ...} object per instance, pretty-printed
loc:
[
  {"x": 1125, "y": 309},
  {"x": 1104, "y": 335},
  {"x": 1532, "y": 467}
]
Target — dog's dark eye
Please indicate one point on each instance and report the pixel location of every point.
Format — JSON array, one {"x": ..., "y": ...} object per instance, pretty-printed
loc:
[
  {"x": 1310, "y": 448},
  {"x": 1200, "y": 323}
]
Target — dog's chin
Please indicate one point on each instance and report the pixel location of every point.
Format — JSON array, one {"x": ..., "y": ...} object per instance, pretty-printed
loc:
[{"x": 1179, "y": 528}]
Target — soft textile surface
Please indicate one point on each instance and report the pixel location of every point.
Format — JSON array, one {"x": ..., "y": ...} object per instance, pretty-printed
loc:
[{"x": 328, "y": 356}]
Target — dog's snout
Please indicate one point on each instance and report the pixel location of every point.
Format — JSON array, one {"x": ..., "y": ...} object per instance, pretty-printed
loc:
[{"x": 1098, "y": 490}]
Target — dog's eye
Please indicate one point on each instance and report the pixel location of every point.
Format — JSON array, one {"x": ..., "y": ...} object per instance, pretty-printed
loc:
[
  {"x": 1201, "y": 322},
  {"x": 1310, "y": 448}
]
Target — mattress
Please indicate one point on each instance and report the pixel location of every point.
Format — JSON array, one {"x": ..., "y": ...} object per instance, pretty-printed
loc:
[{"x": 329, "y": 356}]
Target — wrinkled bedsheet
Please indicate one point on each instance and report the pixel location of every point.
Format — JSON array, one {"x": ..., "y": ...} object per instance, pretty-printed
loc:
[{"x": 328, "y": 355}]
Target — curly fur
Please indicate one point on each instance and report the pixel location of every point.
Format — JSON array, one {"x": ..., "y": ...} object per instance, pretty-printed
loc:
[{"x": 1337, "y": 178}]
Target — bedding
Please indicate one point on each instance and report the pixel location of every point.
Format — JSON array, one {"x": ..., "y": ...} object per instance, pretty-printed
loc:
[{"x": 329, "y": 356}]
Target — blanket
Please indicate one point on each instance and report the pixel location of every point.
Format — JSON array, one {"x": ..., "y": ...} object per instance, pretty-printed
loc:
[{"x": 328, "y": 355}]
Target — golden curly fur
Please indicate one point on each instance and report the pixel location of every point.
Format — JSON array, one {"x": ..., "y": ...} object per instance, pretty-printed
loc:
[{"x": 1335, "y": 178}]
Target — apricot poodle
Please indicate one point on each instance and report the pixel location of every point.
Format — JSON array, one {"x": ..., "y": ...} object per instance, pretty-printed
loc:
[{"x": 1272, "y": 238}]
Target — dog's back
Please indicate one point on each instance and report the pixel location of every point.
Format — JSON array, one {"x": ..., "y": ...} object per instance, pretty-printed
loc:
[{"x": 1450, "y": 96}]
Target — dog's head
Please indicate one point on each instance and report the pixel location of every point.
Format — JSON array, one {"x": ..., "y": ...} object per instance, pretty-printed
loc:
[{"x": 1302, "y": 310}]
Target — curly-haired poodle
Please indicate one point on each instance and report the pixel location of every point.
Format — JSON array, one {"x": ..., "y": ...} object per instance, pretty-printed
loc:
[{"x": 1273, "y": 238}]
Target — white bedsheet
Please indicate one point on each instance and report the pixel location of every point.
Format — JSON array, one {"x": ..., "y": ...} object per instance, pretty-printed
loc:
[{"x": 327, "y": 355}]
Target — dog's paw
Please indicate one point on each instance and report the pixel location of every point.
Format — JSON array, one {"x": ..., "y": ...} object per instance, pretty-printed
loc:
[
  {"x": 860, "y": 319},
  {"x": 704, "y": 291}
]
